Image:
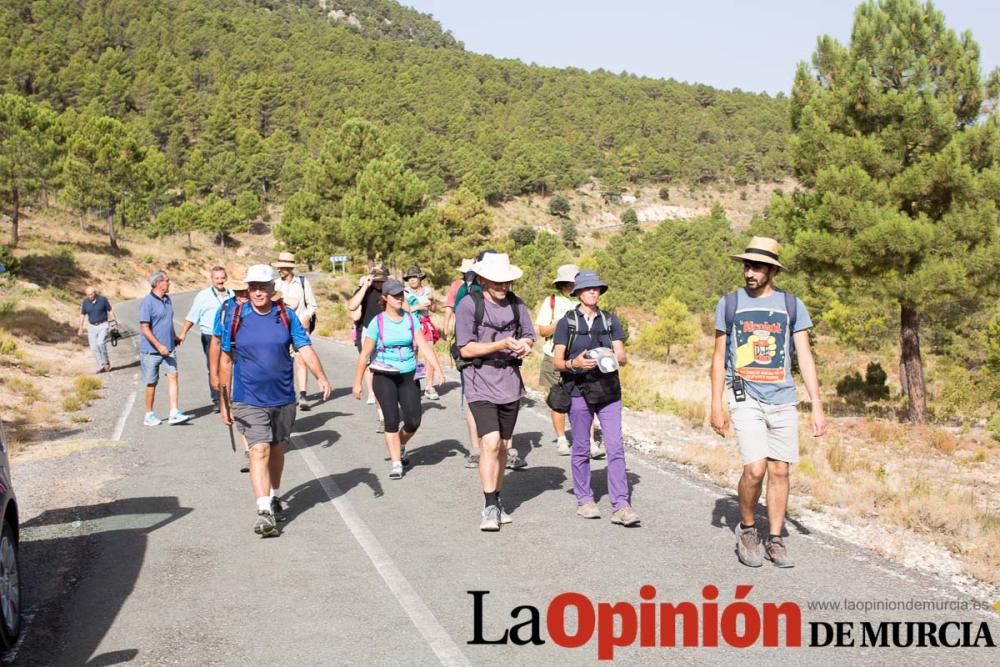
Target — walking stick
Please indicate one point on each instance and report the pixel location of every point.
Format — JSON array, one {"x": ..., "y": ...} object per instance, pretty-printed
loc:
[{"x": 229, "y": 410}]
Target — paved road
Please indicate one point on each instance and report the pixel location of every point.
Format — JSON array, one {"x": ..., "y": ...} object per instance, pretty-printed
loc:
[{"x": 377, "y": 572}]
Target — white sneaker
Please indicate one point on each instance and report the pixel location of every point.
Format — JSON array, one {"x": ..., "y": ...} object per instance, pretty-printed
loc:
[
  {"x": 597, "y": 450},
  {"x": 430, "y": 394},
  {"x": 177, "y": 417},
  {"x": 371, "y": 399},
  {"x": 562, "y": 446},
  {"x": 151, "y": 419}
]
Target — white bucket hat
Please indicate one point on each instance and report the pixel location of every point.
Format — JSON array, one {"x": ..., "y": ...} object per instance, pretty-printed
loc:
[
  {"x": 260, "y": 273},
  {"x": 466, "y": 265},
  {"x": 496, "y": 267},
  {"x": 566, "y": 274}
]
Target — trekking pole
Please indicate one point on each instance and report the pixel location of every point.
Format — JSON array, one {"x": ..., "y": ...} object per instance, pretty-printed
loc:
[{"x": 229, "y": 411}]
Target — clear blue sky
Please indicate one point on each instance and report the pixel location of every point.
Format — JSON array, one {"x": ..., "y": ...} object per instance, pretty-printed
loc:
[{"x": 753, "y": 45}]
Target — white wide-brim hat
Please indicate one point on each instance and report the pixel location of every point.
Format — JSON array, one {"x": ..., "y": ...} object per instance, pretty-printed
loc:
[
  {"x": 566, "y": 274},
  {"x": 466, "y": 265},
  {"x": 259, "y": 273},
  {"x": 496, "y": 267}
]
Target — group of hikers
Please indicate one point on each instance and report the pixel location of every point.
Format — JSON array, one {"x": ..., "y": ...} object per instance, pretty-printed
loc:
[{"x": 255, "y": 335}]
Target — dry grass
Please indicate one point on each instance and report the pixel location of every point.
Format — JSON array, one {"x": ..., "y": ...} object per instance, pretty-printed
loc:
[
  {"x": 85, "y": 391},
  {"x": 25, "y": 388}
]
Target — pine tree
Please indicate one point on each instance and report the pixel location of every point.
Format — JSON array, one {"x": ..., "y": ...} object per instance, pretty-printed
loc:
[
  {"x": 29, "y": 146},
  {"x": 891, "y": 137}
]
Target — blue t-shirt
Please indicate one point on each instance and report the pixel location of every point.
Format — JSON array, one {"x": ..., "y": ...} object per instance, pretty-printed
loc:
[
  {"x": 262, "y": 370},
  {"x": 603, "y": 336},
  {"x": 759, "y": 345},
  {"x": 396, "y": 346},
  {"x": 96, "y": 310},
  {"x": 159, "y": 314}
]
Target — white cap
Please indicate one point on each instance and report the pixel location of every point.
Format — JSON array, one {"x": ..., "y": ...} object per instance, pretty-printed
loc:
[{"x": 260, "y": 273}]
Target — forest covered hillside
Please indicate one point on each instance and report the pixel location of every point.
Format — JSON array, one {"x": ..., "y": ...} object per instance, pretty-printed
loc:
[{"x": 235, "y": 93}]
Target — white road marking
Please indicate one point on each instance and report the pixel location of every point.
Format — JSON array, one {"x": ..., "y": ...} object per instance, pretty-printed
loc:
[
  {"x": 423, "y": 618},
  {"x": 120, "y": 425}
]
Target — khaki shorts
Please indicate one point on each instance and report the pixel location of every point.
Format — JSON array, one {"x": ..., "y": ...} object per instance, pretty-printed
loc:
[
  {"x": 765, "y": 431},
  {"x": 264, "y": 425},
  {"x": 547, "y": 376}
]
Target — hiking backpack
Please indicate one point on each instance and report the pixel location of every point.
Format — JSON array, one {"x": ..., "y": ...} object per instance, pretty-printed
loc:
[
  {"x": 462, "y": 363},
  {"x": 280, "y": 316}
]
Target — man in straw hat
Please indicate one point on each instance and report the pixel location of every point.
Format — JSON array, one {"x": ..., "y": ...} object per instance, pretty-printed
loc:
[
  {"x": 203, "y": 313},
  {"x": 258, "y": 367},
  {"x": 297, "y": 293},
  {"x": 757, "y": 330},
  {"x": 550, "y": 311},
  {"x": 493, "y": 333}
]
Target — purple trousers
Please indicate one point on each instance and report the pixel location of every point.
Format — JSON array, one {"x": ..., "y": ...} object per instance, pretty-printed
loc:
[{"x": 581, "y": 416}]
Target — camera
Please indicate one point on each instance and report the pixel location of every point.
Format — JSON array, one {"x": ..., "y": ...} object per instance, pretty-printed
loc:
[{"x": 739, "y": 390}]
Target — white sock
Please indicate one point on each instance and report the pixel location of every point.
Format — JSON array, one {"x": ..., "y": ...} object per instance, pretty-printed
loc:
[
  {"x": 275, "y": 493},
  {"x": 264, "y": 504}
]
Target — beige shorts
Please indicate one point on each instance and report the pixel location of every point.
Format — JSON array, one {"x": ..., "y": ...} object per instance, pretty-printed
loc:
[
  {"x": 765, "y": 431},
  {"x": 547, "y": 376}
]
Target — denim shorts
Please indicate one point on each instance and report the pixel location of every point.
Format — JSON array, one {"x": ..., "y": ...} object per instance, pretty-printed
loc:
[{"x": 150, "y": 365}]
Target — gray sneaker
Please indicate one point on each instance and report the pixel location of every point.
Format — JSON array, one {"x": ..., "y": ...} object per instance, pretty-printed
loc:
[
  {"x": 748, "y": 548},
  {"x": 588, "y": 510},
  {"x": 472, "y": 460},
  {"x": 381, "y": 427},
  {"x": 491, "y": 519},
  {"x": 404, "y": 458},
  {"x": 514, "y": 460},
  {"x": 597, "y": 450},
  {"x": 396, "y": 470},
  {"x": 504, "y": 517},
  {"x": 265, "y": 525},
  {"x": 775, "y": 551},
  {"x": 277, "y": 509}
]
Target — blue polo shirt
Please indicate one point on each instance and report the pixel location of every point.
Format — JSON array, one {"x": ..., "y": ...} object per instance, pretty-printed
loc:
[
  {"x": 96, "y": 310},
  {"x": 262, "y": 370},
  {"x": 159, "y": 314}
]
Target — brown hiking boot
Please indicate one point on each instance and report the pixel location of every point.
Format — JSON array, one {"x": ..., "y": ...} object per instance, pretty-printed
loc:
[
  {"x": 748, "y": 548},
  {"x": 775, "y": 551}
]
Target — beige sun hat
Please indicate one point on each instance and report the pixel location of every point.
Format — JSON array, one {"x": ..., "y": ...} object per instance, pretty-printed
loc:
[
  {"x": 286, "y": 260},
  {"x": 761, "y": 249},
  {"x": 466, "y": 265},
  {"x": 496, "y": 266},
  {"x": 566, "y": 274},
  {"x": 237, "y": 285}
]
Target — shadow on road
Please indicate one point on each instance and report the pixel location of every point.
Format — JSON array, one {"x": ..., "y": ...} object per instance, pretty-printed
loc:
[
  {"x": 528, "y": 483},
  {"x": 432, "y": 454},
  {"x": 315, "y": 420},
  {"x": 523, "y": 443},
  {"x": 326, "y": 438},
  {"x": 446, "y": 387},
  {"x": 307, "y": 495},
  {"x": 110, "y": 541},
  {"x": 726, "y": 514}
]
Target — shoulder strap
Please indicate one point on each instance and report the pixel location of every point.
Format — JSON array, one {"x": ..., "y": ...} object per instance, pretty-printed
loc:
[
  {"x": 791, "y": 307},
  {"x": 552, "y": 305},
  {"x": 283, "y": 316},
  {"x": 302, "y": 281},
  {"x": 378, "y": 341},
  {"x": 480, "y": 312},
  {"x": 571, "y": 327},
  {"x": 234, "y": 325},
  {"x": 515, "y": 302}
]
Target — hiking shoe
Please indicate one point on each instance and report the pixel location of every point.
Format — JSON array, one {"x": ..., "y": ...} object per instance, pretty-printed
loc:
[
  {"x": 514, "y": 460},
  {"x": 775, "y": 551},
  {"x": 177, "y": 417},
  {"x": 748, "y": 548},
  {"x": 404, "y": 458},
  {"x": 472, "y": 460},
  {"x": 277, "y": 508},
  {"x": 562, "y": 446},
  {"x": 396, "y": 470},
  {"x": 589, "y": 511},
  {"x": 491, "y": 519},
  {"x": 303, "y": 402},
  {"x": 151, "y": 419},
  {"x": 597, "y": 450},
  {"x": 625, "y": 516},
  {"x": 265, "y": 525},
  {"x": 381, "y": 426},
  {"x": 430, "y": 394},
  {"x": 371, "y": 399}
]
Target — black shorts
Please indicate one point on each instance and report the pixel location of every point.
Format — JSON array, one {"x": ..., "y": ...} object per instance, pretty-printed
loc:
[{"x": 490, "y": 417}]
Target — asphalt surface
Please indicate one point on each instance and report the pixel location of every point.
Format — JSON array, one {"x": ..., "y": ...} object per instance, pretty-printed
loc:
[{"x": 375, "y": 571}]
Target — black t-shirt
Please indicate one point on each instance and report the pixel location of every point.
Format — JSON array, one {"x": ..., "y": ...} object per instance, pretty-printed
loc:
[
  {"x": 96, "y": 311},
  {"x": 371, "y": 306}
]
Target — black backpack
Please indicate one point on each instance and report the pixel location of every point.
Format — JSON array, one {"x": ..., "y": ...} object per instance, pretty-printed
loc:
[{"x": 461, "y": 362}]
